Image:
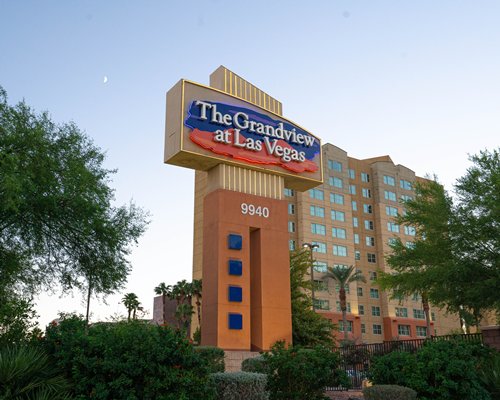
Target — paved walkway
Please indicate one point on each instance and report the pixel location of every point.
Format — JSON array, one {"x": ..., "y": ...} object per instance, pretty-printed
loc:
[{"x": 350, "y": 394}]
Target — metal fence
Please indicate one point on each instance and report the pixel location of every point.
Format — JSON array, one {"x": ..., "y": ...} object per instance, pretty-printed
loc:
[{"x": 356, "y": 359}]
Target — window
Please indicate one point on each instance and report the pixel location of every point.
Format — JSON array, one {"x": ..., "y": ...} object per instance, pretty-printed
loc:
[
  {"x": 366, "y": 193},
  {"x": 291, "y": 226},
  {"x": 349, "y": 326},
  {"x": 355, "y": 222},
  {"x": 392, "y": 241},
  {"x": 369, "y": 225},
  {"x": 363, "y": 328},
  {"x": 405, "y": 184},
  {"x": 392, "y": 227},
  {"x": 316, "y": 194},
  {"x": 321, "y": 286},
  {"x": 347, "y": 306},
  {"x": 401, "y": 312},
  {"x": 410, "y": 245},
  {"x": 377, "y": 329},
  {"x": 389, "y": 180},
  {"x": 416, "y": 297},
  {"x": 374, "y": 294},
  {"x": 404, "y": 330},
  {"x": 370, "y": 241},
  {"x": 337, "y": 182},
  {"x": 340, "y": 251},
  {"x": 367, "y": 209},
  {"x": 421, "y": 331},
  {"x": 317, "y": 211},
  {"x": 356, "y": 238},
  {"x": 289, "y": 192},
  {"x": 372, "y": 275},
  {"x": 354, "y": 206},
  {"x": 339, "y": 233},
  {"x": 291, "y": 244},
  {"x": 318, "y": 229},
  {"x": 335, "y": 165},
  {"x": 388, "y": 195},
  {"x": 320, "y": 266},
  {"x": 336, "y": 198},
  {"x": 321, "y": 304},
  {"x": 338, "y": 215},
  {"x": 360, "y": 291},
  {"x": 405, "y": 197},
  {"x": 365, "y": 177},
  {"x": 433, "y": 316},
  {"x": 361, "y": 309},
  {"x": 418, "y": 314},
  {"x": 357, "y": 255},
  {"x": 321, "y": 247},
  {"x": 372, "y": 258},
  {"x": 352, "y": 189},
  {"x": 410, "y": 230},
  {"x": 391, "y": 211},
  {"x": 376, "y": 311},
  {"x": 352, "y": 173},
  {"x": 291, "y": 208}
]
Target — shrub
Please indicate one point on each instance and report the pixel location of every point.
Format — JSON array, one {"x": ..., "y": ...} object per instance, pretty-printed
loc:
[
  {"x": 27, "y": 373},
  {"x": 128, "y": 360},
  {"x": 389, "y": 392},
  {"x": 255, "y": 364},
  {"x": 395, "y": 368},
  {"x": 296, "y": 373},
  {"x": 213, "y": 357},
  {"x": 489, "y": 374},
  {"x": 440, "y": 370},
  {"x": 240, "y": 386}
]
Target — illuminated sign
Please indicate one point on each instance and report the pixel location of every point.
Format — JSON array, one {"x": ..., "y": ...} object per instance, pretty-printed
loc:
[
  {"x": 206, "y": 127},
  {"x": 248, "y": 135}
]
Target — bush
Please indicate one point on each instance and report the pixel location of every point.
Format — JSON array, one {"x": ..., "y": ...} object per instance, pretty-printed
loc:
[
  {"x": 27, "y": 373},
  {"x": 389, "y": 392},
  {"x": 213, "y": 357},
  {"x": 440, "y": 370},
  {"x": 395, "y": 368},
  {"x": 296, "y": 373},
  {"x": 489, "y": 374},
  {"x": 240, "y": 386},
  {"x": 128, "y": 360},
  {"x": 255, "y": 364}
]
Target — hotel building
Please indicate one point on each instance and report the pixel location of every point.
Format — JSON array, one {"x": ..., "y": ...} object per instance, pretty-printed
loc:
[{"x": 350, "y": 219}]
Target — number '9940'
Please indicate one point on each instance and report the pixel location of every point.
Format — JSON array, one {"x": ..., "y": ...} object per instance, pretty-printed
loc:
[{"x": 251, "y": 209}]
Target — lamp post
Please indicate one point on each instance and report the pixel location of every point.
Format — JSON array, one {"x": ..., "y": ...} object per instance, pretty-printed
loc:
[{"x": 311, "y": 247}]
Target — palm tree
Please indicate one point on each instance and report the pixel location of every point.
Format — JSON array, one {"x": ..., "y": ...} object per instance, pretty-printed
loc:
[
  {"x": 183, "y": 314},
  {"x": 196, "y": 289},
  {"x": 165, "y": 292},
  {"x": 344, "y": 275},
  {"x": 131, "y": 302}
]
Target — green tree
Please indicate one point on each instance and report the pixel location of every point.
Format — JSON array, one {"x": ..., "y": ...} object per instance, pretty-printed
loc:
[
  {"x": 308, "y": 327},
  {"x": 132, "y": 304},
  {"x": 164, "y": 291},
  {"x": 57, "y": 222},
  {"x": 418, "y": 267},
  {"x": 344, "y": 275}
]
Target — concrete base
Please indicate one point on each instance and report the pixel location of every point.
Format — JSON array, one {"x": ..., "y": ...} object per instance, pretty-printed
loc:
[{"x": 234, "y": 358}]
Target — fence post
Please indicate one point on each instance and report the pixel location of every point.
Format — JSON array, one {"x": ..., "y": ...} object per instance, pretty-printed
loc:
[{"x": 491, "y": 336}]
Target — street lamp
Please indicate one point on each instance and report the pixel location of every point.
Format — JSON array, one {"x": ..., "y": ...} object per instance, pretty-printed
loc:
[{"x": 311, "y": 247}]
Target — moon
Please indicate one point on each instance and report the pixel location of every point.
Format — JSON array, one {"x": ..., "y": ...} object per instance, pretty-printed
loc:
[{"x": 105, "y": 80}]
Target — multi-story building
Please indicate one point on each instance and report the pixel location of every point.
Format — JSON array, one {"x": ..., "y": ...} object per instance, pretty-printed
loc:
[{"x": 350, "y": 219}]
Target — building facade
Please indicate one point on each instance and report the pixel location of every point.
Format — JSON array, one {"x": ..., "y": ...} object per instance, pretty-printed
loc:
[{"x": 351, "y": 220}]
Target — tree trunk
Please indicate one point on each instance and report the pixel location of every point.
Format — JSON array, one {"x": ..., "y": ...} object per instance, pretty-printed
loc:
[
  {"x": 133, "y": 315},
  {"x": 89, "y": 293},
  {"x": 343, "y": 309},
  {"x": 425, "y": 305},
  {"x": 129, "y": 311}
]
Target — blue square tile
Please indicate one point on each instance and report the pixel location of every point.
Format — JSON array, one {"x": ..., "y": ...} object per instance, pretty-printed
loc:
[
  {"x": 235, "y": 267},
  {"x": 235, "y": 321},
  {"x": 235, "y": 294},
  {"x": 234, "y": 241}
]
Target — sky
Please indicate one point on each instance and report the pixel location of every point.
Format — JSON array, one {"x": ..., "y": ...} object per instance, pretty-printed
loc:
[{"x": 417, "y": 80}]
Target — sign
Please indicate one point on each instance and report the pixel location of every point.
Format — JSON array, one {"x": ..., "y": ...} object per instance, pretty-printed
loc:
[{"x": 206, "y": 127}]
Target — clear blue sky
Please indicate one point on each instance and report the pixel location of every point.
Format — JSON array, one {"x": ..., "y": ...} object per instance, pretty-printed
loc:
[{"x": 418, "y": 80}]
